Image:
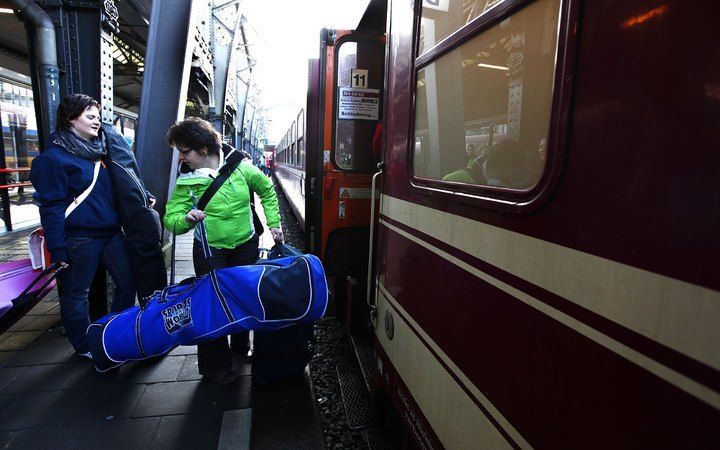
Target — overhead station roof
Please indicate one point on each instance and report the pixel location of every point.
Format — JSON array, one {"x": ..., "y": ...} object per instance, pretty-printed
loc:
[
  {"x": 13, "y": 44},
  {"x": 130, "y": 42}
]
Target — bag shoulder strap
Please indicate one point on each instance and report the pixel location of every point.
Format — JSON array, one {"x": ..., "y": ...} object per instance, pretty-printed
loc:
[
  {"x": 223, "y": 174},
  {"x": 79, "y": 199}
]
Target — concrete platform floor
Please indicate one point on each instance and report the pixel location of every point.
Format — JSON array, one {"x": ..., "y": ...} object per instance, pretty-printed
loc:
[{"x": 51, "y": 398}]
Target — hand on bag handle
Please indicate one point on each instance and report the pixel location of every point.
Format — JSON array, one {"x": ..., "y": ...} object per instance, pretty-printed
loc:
[
  {"x": 194, "y": 216},
  {"x": 277, "y": 235}
]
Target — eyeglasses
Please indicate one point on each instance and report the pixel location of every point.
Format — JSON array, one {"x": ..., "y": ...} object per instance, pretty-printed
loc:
[{"x": 184, "y": 152}]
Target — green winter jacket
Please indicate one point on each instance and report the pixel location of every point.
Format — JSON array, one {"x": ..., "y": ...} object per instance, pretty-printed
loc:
[{"x": 228, "y": 218}]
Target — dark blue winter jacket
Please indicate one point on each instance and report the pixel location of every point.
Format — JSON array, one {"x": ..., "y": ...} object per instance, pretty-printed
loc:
[{"x": 59, "y": 177}]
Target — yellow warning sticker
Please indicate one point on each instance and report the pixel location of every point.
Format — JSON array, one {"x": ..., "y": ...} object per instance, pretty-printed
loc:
[{"x": 346, "y": 192}]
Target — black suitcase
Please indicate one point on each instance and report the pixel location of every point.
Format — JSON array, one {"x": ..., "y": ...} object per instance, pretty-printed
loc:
[
  {"x": 285, "y": 352},
  {"x": 281, "y": 353}
]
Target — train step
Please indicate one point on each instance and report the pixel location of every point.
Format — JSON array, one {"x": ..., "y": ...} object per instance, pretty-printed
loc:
[
  {"x": 376, "y": 439},
  {"x": 365, "y": 355},
  {"x": 355, "y": 396}
]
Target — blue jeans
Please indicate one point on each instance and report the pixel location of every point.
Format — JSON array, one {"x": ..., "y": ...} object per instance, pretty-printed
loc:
[{"x": 85, "y": 255}]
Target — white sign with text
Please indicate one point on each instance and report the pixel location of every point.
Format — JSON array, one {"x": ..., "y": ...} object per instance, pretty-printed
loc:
[{"x": 358, "y": 104}]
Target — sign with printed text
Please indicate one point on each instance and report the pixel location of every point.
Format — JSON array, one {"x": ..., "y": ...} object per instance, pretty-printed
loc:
[
  {"x": 346, "y": 192},
  {"x": 440, "y": 5},
  {"x": 359, "y": 78},
  {"x": 358, "y": 104}
]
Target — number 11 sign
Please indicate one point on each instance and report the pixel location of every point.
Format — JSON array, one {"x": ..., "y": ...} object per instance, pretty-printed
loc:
[{"x": 359, "y": 78}]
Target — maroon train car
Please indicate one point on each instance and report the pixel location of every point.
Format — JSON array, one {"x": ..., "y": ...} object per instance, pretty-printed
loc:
[{"x": 548, "y": 228}]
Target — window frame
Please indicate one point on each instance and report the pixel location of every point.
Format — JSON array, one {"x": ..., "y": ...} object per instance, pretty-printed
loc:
[
  {"x": 493, "y": 197},
  {"x": 300, "y": 120},
  {"x": 356, "y": 37},
  {"x": 291, "y": 144}
]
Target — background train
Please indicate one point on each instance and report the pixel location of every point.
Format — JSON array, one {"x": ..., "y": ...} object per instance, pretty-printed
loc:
[
  {"x": 19, "y": 126},
  {"x": 558, "y": 289}
]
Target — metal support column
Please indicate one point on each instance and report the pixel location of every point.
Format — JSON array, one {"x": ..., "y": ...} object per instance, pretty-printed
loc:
[
  {"x": 250, "y": 65},
  {"x": 44, "y": 71},
  {"x": 223, "y": 45},
  {"x": 164, "y": 92},
  {"x": 84, "y": 32}
]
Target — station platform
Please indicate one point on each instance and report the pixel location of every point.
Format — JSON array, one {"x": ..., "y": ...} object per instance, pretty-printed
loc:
[{"x": 51, "y": 398}]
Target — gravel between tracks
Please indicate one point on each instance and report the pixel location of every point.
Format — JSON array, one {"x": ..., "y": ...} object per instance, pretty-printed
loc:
[{"x": 331, "y": 344}]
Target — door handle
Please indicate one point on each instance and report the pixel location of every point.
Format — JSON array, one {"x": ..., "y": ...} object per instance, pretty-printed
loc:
[{"x": 381, "y": 168}]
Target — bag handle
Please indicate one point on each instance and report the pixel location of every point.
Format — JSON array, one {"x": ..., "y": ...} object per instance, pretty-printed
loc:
[
  {"x": 172, "y": 257},
  {"x": 207, "y": 251},
  {"x": 54, "y": 268}
]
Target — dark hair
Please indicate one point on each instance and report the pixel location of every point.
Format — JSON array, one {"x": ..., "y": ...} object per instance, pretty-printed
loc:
[
  {"x": 506, "y": 154},
  {"x": 195, "y": 133},
  {"x": 70, "y": 109}
]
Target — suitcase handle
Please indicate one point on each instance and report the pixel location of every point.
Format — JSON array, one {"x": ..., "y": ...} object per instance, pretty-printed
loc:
[{"x": 55, "y": 267}]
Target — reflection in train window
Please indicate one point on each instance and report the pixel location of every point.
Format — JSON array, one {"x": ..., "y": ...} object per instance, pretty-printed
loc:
[
  {"x": 442, "y": 18},
  {"x": 482, "y": 111},
  {"x": 353, "y": 137}
]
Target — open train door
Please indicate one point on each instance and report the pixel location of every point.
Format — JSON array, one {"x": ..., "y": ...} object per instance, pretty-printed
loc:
[
  {"x": 350, "y": 78},
  {"x": 313, "y": 161}
]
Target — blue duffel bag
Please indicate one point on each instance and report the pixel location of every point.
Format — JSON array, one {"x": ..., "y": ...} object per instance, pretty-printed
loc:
[{"x": 266, "y": 296}]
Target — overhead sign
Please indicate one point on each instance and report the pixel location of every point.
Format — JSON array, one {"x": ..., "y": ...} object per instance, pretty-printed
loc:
[
  {"x": 358, "y": 104},
  {"x": 440, "y": 5}
]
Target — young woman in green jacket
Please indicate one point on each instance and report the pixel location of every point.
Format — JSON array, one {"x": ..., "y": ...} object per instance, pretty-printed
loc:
[{"x": 228, "y": 221}]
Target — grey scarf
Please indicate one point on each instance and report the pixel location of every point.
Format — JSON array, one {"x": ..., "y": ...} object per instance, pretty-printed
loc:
[{"x": 71, "y": 142}]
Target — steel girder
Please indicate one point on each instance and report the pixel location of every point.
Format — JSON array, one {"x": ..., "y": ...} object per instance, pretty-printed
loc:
[
  {"x": 84, "y": 31},
  {"x": 168, "y": 60}
]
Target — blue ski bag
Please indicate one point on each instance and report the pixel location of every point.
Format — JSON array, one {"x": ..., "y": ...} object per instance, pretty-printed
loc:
[{"x": 269, "y": 295}]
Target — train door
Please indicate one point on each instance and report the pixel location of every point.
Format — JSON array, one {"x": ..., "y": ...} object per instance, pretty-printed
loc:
[
  {"x": 351, "y": 76},
  {"x": 313, "y": 161}
]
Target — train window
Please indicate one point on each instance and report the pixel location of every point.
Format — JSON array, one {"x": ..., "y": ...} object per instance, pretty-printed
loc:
[
  {"x": 301, "y": 123},
  {"x": 291, "y": 144},
  {"x": 353, "y": 136},
  {"x": 19, "y": 129},
  {"x": 440, "y": 18},
  {"x": 298, "y": 162},
  {"x": 301, "y": 152},
  {"x": 301, "y": 140},
  {"x": 482, "y": 111}
]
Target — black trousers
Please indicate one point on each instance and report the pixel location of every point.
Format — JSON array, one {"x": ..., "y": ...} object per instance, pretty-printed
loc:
[{"x": 215, "y": 356}]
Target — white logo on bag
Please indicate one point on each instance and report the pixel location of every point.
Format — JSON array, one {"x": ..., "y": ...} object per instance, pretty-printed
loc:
[{"x": 177, "y": 316}]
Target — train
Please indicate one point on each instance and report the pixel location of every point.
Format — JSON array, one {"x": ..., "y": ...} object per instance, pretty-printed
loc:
[{"x": 531, "y": 253}]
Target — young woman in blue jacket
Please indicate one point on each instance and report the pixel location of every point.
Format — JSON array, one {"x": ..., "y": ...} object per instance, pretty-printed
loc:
[{"x": 82, "y": 238}]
